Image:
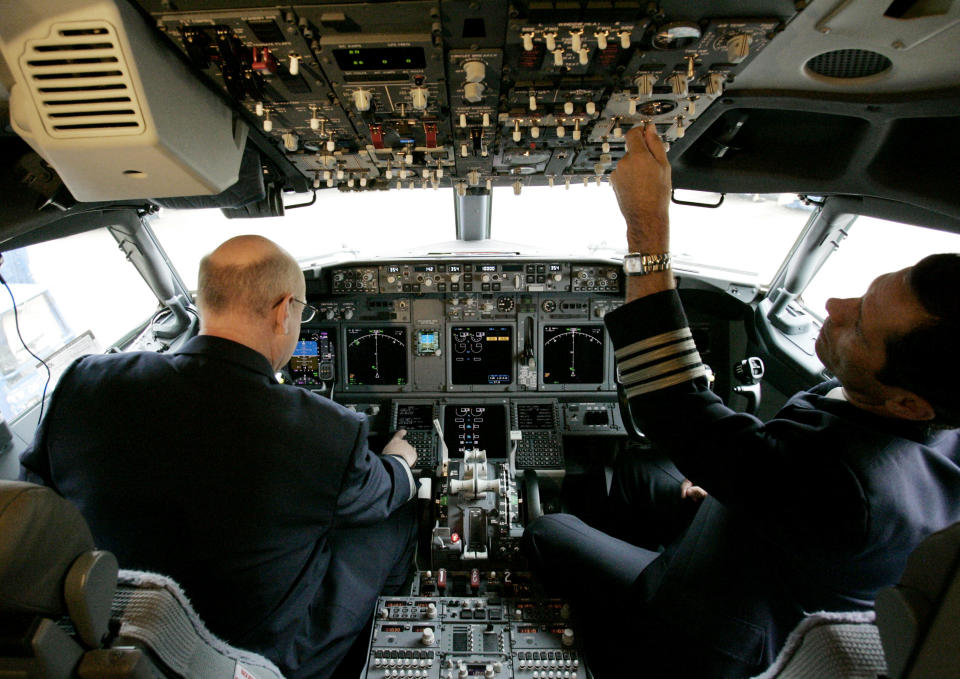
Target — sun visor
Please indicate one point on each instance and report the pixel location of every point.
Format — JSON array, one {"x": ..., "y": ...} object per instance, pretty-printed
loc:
[{"x": 112, "y": 110}]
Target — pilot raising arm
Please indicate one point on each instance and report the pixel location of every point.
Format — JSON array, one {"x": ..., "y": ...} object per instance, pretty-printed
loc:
[
  {"x": 735, "y": 457},
  {"x": 814, "y": 510}
]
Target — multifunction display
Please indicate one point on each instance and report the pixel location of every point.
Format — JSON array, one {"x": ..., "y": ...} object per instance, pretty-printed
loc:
[
  {"x": 535, "y": 416},
  {"x": 312, "y": 361},
  {"x": 481, "y": 354},
  {"x": 573, "y": 354},
  {"x": 414, "y": 417},
  {"x": 377, "y": 356},
  {"x": 475, "y": 426}
]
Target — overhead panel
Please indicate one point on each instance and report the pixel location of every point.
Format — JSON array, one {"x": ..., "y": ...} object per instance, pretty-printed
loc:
[{"x": 452, "y": 93}]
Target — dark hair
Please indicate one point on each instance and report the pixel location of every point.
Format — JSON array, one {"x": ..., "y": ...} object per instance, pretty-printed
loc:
[{"x": 924, "y": 360}]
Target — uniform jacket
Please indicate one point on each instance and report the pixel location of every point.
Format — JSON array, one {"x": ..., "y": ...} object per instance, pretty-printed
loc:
[
  {"x": 814, "y": 510},
  {"x": 201, "y": 466}
]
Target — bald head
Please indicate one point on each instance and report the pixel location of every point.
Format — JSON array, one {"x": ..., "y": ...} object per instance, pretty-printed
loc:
[{"x": 246, "y": 276}]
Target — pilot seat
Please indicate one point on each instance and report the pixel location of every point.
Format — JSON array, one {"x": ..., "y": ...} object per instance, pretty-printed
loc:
[{"x": 66, "y": 610}]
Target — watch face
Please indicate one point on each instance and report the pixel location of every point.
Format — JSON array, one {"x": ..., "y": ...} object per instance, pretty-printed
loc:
[{"x": 632, "y": 265}]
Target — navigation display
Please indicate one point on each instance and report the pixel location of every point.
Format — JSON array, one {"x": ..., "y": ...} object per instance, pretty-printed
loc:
[
  {"x": 573, "y": 354},
  {"x": 313, "y": 359},
  {"x": 481, "y": 354},
  {"x": 414, "y": 417},
  {"x": 535, "y": 416},
  {"x": 475, "y": 426},
  {"x": 377, "y": 356}
]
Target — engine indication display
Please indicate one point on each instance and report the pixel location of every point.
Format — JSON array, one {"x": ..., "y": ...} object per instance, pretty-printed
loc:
[
  {"x": 313, "y": 358},
  {"x": 377, "y": 356},
  {"x": 573, "y": 354},
  {"x": 481, "y": 354},
  {"x": 475, "y": 426}
]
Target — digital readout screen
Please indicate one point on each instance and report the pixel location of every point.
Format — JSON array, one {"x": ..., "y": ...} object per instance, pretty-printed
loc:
[
  {"x": 377, "y": 356},
  {"x": 535, "y": 416},
  {"x": 312, "y": 358},
  {"x": 573, "y": 354},
  {"x": 475, "y": 426},
  {"x": 379, "y": 58},
  {"x": 481, "y": 354},
  {"x": 414, "y": 417}
]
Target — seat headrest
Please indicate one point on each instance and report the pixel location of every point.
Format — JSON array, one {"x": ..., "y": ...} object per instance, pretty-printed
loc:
[{"x": 41, "y": 535}]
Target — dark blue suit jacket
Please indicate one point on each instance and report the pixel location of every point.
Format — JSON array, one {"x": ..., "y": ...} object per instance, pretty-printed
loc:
[
  {"x": 199, "y": 465},
  {"x": 816, "y": 509}
]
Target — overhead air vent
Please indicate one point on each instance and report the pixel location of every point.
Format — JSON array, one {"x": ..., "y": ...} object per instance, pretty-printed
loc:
[
  {"x": 848, "y": 64},
  {"x": 81, "y": 83}
]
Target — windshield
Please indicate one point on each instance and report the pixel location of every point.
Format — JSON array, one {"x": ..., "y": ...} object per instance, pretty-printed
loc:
[
  {"x": 873, "y": 247},
  {"x": 748, "y": 233}
]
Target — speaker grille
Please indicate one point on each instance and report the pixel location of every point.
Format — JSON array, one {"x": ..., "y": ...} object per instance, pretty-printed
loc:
[
  {"x": 81, "y": 83},
  {"x": 848, "y": 64}
]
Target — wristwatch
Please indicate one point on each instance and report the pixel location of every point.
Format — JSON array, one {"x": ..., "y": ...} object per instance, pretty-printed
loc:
[{"x": 641, "y": 263}]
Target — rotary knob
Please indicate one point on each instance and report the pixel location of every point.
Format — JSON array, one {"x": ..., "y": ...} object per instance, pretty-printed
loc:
[
  {"x": 738, "y": 48},
  {"x": 678, "y": 84},
  {"x": 644, "y": 83},
  {"x": 475, "y": 71},
  {"x": 362, "y": 99},
  {"x": 473, "y": 92},
  {"x": 428, "y": 637},
  {"x": 715, "y": 84},
  {"x": 419, "y": 96}
]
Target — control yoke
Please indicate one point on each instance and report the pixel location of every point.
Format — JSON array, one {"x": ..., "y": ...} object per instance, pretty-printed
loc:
[{"x": 748, "y": 372}]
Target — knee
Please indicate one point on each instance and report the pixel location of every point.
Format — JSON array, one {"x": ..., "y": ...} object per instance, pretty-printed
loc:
[{"x": 543, "y": 533}]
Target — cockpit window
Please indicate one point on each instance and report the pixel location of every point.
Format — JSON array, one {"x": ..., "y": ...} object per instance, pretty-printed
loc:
[
  {"x": 353, "y": 224},
  {"x": 748, "y": 232},
  {"x": 63, "y": 314},
  {"x": 874, "y": 247}
]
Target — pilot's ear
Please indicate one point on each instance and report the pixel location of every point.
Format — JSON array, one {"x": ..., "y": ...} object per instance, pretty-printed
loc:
[
  {"x": 909, "y": 406},
  {"x": 281, "y": 316}
]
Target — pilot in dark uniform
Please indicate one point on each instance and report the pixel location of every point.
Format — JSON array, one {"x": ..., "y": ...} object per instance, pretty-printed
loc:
[
  {"x": 262, "y": 500},
  {"x": 814, "y": 510}
]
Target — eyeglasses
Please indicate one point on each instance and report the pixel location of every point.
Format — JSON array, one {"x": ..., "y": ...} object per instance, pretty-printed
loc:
[{"x": 309, "y": 311}]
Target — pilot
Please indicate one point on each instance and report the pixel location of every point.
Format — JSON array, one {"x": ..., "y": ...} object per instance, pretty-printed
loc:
[
  {"x": 814, "y": 510},
  {"x": 261, "y": 499}
]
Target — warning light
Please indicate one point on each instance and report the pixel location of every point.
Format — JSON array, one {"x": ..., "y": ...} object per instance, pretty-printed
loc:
[{"x": 454, "y": 537}]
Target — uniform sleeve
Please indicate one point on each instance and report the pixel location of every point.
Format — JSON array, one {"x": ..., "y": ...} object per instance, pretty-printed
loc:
[
  {"x": 35, "y": 460},
  {"x": 373, "y": 485},
  {"x": 785, "y": 475}
]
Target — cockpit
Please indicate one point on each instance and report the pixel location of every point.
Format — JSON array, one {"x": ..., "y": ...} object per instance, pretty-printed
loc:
[{"x": 440, "y": 170}]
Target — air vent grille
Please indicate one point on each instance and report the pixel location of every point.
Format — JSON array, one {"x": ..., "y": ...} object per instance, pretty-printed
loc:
[
  {"x": 848, "y": 64},
  {"x": 81, "y": 83}
]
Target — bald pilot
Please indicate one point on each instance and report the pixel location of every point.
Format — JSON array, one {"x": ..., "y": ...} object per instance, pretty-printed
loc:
[{"x": 262, "y": 500}]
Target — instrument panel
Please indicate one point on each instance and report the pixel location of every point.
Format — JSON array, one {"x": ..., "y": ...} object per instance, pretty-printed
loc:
[
  {"x": 371, "y": 96},
  {"x": 467, "y": 326}
]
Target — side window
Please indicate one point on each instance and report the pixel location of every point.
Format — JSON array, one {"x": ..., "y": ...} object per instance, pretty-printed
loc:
[
  {"x": 874, "y": 247},
  {"x": 75, "y": 296}
]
